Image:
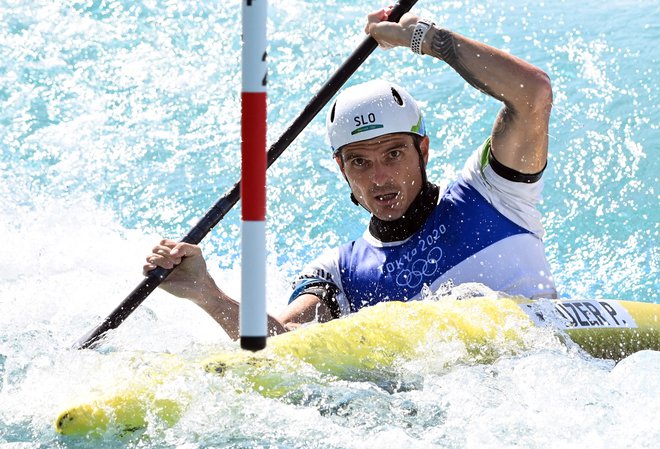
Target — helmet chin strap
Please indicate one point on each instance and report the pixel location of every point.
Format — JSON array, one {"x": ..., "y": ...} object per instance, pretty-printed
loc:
[
  {"x": 422, "y": 165},
  {"x": 355, "y": 201}
]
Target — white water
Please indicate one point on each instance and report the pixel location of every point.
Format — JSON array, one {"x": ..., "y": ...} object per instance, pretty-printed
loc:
[{"x": 119, "y": 124}]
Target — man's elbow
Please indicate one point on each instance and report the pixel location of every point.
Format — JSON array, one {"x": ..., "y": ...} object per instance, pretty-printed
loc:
[{"x": 541, "y": 101}]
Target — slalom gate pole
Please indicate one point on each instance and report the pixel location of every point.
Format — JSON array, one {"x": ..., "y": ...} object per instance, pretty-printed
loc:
[{"x": 253, "y": 315}]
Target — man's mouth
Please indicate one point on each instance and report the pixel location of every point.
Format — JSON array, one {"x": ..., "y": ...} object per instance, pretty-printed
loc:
[{"x": 387, "y": 197}]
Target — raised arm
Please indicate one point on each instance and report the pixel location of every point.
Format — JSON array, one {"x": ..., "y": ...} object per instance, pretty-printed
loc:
[{"x": 520, "y": 133}]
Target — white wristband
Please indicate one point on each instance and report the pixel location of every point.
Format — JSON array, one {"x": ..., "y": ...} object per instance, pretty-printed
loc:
[{"x": 422, "y": 27}]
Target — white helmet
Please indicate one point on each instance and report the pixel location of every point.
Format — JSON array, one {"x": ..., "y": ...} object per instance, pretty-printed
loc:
[{"x": 372, "y": 109}]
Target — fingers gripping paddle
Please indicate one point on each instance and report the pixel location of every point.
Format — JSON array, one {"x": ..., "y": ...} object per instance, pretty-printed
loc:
[{"x": 224, "y": 204}]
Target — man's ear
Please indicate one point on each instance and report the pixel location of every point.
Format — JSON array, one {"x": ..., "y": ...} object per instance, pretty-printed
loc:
[
  {"x": 340, "y": 163},
  {"x": 424, "y": 147}
]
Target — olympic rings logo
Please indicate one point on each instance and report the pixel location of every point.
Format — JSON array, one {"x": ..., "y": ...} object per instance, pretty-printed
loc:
[{"x": 420, "y": 269}]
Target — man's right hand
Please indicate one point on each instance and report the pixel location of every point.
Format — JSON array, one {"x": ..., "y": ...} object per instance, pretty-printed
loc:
[{"x": 190, "y": 278}]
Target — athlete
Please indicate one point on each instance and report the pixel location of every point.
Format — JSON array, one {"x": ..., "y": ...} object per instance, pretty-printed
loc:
[{"x": 484, "y": 227}]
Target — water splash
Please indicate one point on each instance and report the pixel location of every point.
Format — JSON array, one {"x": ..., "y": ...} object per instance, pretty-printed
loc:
[{"x": 120, "y": 125}]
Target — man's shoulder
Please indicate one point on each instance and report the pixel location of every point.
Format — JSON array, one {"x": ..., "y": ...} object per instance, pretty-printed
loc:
[{"x": 517, "y": 201}]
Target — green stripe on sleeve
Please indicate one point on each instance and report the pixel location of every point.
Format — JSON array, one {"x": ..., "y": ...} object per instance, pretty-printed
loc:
[{"x": 485, "y": 152}]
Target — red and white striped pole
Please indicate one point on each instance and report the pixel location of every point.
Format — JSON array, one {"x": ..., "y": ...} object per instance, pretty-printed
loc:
[{"x": 253, "y": 318}]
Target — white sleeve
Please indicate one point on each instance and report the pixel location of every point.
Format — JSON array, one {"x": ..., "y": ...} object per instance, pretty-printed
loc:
[{"x": 515, "y": 200}]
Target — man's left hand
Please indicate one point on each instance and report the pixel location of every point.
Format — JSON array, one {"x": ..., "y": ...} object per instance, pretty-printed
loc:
[{"x": 390, "y": 34}]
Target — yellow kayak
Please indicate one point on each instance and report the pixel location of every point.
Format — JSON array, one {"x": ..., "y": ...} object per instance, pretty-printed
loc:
[{"x": 368, "y": 344}]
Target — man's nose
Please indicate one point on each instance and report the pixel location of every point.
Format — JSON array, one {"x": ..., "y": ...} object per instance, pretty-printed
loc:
[{"x": 380, "y": 174}]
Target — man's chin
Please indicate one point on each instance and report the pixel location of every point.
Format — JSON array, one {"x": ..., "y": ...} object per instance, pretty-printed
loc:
[{"x": 388, "y": 215}]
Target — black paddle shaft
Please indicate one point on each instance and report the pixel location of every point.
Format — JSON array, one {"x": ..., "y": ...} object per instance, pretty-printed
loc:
[{"x": 224, "y": 204}]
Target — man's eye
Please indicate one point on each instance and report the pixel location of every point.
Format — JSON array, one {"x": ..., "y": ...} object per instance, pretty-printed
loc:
[
  {"x": 358, "y": 162},
  {"x": 395, "y": 154}
]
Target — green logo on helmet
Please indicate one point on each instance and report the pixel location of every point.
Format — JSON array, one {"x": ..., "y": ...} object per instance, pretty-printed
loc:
[
  {"x": 365, "y": 128},
  {"x": 419, "y": 128}
]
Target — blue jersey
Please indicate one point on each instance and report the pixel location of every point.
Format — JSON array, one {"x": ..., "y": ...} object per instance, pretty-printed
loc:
[
  {"x": 483, "y": 229},
  {"x": 462, "y": 224}
]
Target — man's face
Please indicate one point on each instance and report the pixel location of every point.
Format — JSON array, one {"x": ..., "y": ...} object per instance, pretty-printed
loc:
[{"x": 384, "y": 173}]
